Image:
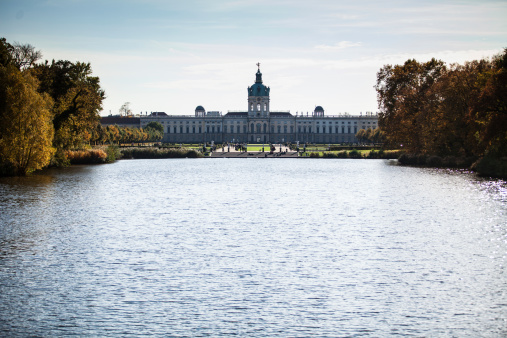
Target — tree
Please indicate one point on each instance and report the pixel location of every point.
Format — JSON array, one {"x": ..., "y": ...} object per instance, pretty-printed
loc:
[
  {"x": 360, "y": 135},
  {"x": 26, "y": 131},
  {"x": 156, "y": 126},
  {"x": 25, "y": 56},
  {"x": 6, "y": 50},
  {"x": 78, "y": 100},
  {"x": 402, "y": 93},
  {"x": 492, "y": 109},
  {"x": 125, "y": 109},
  {"x": 155, "y": 131},
  {"x": 460, "y": 110}
]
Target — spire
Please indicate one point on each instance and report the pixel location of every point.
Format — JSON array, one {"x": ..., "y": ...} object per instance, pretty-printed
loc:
[{"x": 258, "y": 76}]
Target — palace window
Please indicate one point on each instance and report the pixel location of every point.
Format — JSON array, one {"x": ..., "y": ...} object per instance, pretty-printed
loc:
[
  {"x": 244, "y": 128},
  {"x": 285, "y": 129},
  {"x": 225, "y": 129},
  {"x": 188, "y": 130},
  {"x": 279, "y": 129},
  {"x": 181, "y": 129},
  {"x": 193, "y": 129}
]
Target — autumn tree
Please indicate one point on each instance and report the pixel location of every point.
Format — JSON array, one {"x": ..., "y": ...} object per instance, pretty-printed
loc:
[
  {"x": 492, "y": 109},
  {"x": 78, "y": 100},
  {"x": 26, "y": 131},
  {"x": 460, "y": 110},
  {"x": 402, "y": 93}
]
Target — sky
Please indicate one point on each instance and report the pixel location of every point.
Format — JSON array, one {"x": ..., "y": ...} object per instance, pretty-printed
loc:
[{"x": 171, "y": 56}]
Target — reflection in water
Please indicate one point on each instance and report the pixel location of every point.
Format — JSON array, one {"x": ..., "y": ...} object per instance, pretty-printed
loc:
[{"x": 252, "y": 247}]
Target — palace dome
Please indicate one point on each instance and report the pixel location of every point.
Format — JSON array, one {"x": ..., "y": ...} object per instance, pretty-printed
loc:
[
  {"x": 319, "y": 109},
  {"x": 258, "y": 89},
  {"x": 199, "y": 108}
]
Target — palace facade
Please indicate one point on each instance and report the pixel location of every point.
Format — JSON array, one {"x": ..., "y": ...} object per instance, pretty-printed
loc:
[{"x": 259, "y": 124}]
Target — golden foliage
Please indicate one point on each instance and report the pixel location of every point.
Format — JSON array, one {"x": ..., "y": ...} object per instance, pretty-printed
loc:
[{"x": 26, "y": 129}]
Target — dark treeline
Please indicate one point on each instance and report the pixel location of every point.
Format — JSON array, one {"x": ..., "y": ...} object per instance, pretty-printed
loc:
[{"x": 457, "y": 110}]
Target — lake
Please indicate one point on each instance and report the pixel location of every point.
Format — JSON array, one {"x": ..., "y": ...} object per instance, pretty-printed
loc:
[{"x": 253, "y": 247}]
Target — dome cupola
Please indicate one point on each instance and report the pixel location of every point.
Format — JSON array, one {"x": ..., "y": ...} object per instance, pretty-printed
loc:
[
  {"x": 258, "y": 97},
  {"x": 258, "y": 89}
]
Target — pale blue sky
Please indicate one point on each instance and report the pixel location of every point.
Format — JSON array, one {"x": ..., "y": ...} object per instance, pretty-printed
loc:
[{"x": 174, "y": 55}]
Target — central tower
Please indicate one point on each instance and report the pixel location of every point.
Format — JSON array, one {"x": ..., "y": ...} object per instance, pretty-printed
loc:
[{"x": 258, "y": 97}]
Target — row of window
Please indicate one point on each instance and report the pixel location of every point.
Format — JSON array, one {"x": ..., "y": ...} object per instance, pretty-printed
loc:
[{"x": 301, "y": 129}]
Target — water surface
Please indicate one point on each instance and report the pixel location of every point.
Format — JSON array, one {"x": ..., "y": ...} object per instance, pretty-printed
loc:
[{"x": 253, "y": 247}]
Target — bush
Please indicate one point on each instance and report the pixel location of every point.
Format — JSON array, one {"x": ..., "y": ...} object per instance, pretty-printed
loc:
[
  {"x": 374, "y": 154},
  {"x": 153, "y": 153},
  {"x": 92, "y": 156},
  {"x": 435, "y": 161},
  {"x": 421, "y": 159},
  {"x": 7, "y": 168},
  {"x": 407, "y": 159},
  {"x": 355, "y": 154},
  {"x": 491, "y": 166},
  {"x": 113, "y": 153},
  {"x": 59, "y": 160},
  {"x": 450, "y": 161},
  {"x": 329, "y": 155}
]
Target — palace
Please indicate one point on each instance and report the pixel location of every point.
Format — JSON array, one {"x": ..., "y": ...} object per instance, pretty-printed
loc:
[{"x": 259, "y": 124}]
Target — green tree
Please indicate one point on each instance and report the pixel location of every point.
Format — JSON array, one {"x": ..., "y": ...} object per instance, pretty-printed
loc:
[
  {"x": 155, "y": 131},
  {"x": 360, "y": 135},
  {"x": 6, "y": 51},
  {"x": 78, "y": 100},
  {"x": 26, "y": 131}
]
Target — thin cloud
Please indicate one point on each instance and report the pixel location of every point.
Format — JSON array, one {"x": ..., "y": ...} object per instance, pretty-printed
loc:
[{"x": 339, "y": 45}]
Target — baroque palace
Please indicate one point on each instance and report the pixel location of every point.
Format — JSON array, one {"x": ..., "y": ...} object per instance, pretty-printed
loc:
[{"x": 258, "y": 124}]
